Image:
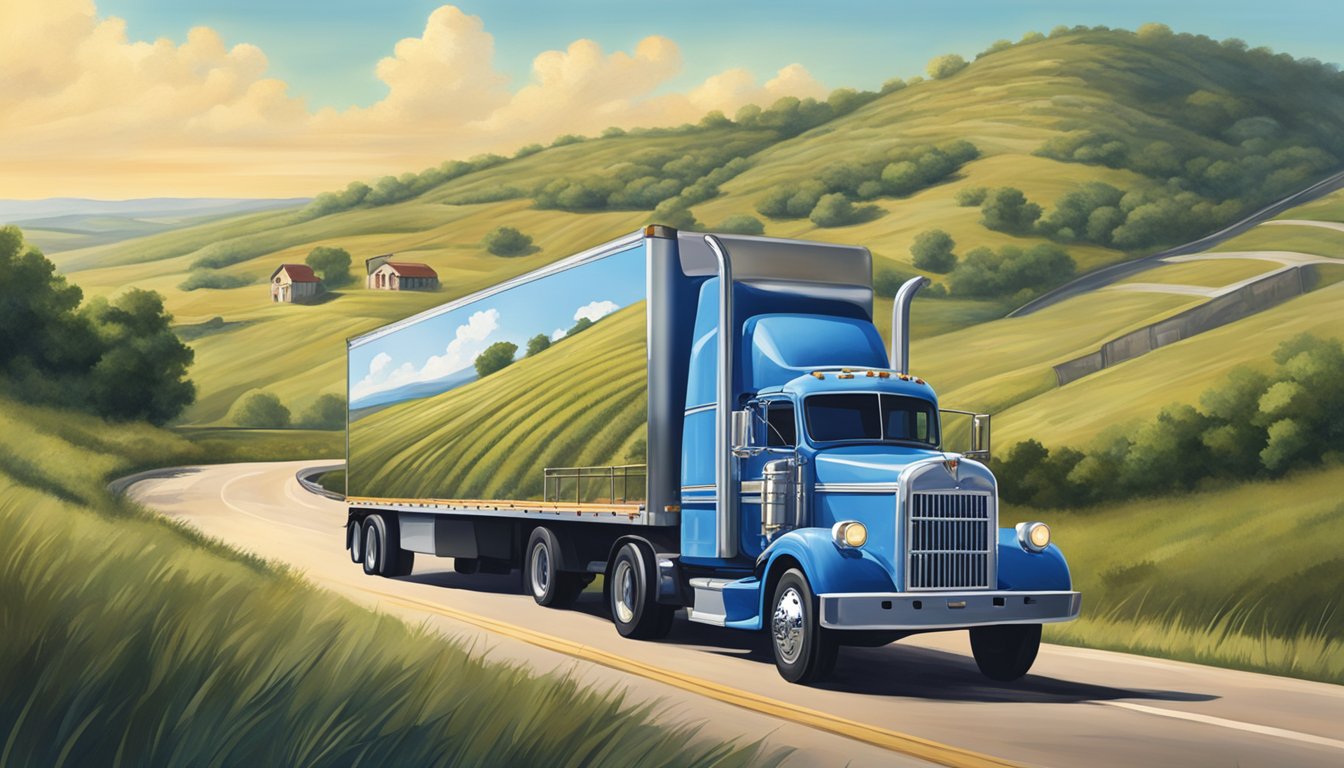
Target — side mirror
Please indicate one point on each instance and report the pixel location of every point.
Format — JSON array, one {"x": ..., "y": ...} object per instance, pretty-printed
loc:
[
  {"x": 979, "y": 437},
  {"x": 741, "y": 433}
]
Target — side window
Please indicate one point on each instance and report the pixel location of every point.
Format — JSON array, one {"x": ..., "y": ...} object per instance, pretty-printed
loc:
[{"x": 783, "y": 431}]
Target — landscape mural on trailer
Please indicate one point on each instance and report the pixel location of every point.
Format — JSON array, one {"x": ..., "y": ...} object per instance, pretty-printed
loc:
[
  {"x": 439, "y": 404},
  {"x": 1132, "y": 217}
]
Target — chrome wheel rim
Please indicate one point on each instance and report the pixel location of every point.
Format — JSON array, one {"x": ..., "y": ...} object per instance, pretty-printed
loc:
[
  {"x": 623, "y": 592},
  {"x": 787, "y": 625},
  {"x": 541, "y": 560},
  {"x": 371, "y": 550}
]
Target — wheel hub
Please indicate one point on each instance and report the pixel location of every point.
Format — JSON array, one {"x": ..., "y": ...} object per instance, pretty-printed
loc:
[
  {"x": 787, "y": 625},
  {"x": 540, "y": 577},
  {"x": 625, "y": 592}
]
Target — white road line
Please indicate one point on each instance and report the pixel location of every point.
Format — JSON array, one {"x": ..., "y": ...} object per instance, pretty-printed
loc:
[
  {"x": 306, "y": 499},
  {"x": 1236, "y": 725},
  {"x": 224, "y": 489}
]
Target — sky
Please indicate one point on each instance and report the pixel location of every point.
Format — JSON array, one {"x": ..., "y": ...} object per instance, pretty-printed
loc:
[
  {"x": 448, "y": 343},
  {"x": 253, "y": 98}
]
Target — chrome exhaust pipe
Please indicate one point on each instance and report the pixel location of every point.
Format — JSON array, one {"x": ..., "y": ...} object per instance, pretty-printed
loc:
[{"x": 900, "y": 323}]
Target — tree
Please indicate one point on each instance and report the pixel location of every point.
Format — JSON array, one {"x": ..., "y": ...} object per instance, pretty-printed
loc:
[
  {"x": 496, "y": 357},
  {"x": 326, "y": 412},
  {"x": 332, "y": 264},
  {"x": 969, "y": 197},
  {"x": 262, "y": 410},
  {"x": 833, "y": 210},
  {"x": 1006, "y": 209},
  {"x": 507, "y": 241},
  {"x": 39, "y": 329},
  {"x": 142, "y": 374},
  {"x": 946, "y": 65},
  {"x": 674, "y": 213},
  {"x": 742, "y": 224},
  {"x": 580, "y": 325},
  {"x": 888, "y": 281},
  {"x": 538, "y": 344},
  {"x": 933, "y": 251}
]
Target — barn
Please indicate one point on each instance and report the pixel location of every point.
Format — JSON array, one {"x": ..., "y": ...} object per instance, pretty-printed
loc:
[
  {"x": 403, "y": 276},
  {"x": 294, "y": 283}
]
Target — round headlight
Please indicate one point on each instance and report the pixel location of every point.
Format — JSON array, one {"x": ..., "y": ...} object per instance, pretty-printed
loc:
[
  {"x": 1034, "y": 537},
  {"x": 850, "y": 534}
]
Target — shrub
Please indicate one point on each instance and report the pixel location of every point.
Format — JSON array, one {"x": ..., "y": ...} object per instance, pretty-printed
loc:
[
  {"x": 969, "y": 197},
  {"x": 742, "y": 224},
  {"x": 945, "y": 66},
  {"x": 891, "y": 86},
  {"x": 835, "y": 210},
  {"x": 674, "y": 213},
  {"x": 791, "y": 201},
  {"x": 333, "y": 264},
  {"x": 326, "y": 412},
  {"x": 496, "y": 357},
  {"x": 262, "y": 410},
  {"x": 568, "y": 138},
  {"x": 507, "y": 241},
  {"x": 538, "y": 344},
  {"x": 1011, "y": 271},
  {"x": 1006, "y": 209},
  {"x": 933, "y": 251},
  {"x": 888, "y": 281},
  {"x": 207, "y": 278}
]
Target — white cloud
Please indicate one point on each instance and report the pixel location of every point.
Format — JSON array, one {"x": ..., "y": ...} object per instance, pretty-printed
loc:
[
  {"x": 558, "y": 334},
  {"x": 596, "y": 310},
  {"x": 468, "y": 342},
  {"x": 91, "y": 112},
  {"x": 378, "y": 363}
]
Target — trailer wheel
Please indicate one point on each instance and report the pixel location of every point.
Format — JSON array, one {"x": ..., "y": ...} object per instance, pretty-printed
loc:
[
  {"x": 1005, "y": 652},
  {"x": 805, "y": 652},
  {"x": 354, "y": 542},
  {"x": 635, "y": 609},
  {"x": 375, "y": 533},
  {"x": 542, "y": 576}
]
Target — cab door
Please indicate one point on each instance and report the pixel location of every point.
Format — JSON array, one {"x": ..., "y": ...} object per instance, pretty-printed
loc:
[{"x": 775, "y": 429}]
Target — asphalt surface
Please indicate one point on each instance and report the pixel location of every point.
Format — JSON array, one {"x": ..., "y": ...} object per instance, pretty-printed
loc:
[{"x": 1077, "y": 707}]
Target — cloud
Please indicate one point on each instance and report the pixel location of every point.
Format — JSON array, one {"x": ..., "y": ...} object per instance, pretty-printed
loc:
[
  {"x": 596, "y": 310},
  {"x": 468, "y": 342},
  {"x": 558, "y": 334},
  {"x": 91, "y": 112}
]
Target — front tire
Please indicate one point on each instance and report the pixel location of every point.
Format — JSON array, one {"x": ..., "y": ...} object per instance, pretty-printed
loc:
[
  {"x": 632, "y": 596},
  {"x": 1005, "y": 652},
  {"x": 805, "y": 652},
  {"x": 542, "y": 576}
]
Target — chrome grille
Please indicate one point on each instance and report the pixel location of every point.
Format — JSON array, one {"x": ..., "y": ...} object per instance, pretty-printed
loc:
[{"x": 951, "y": 539}]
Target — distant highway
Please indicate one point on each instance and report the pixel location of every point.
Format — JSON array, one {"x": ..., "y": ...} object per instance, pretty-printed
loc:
[
  {"x": 917, "y": 702},
  {"x": 1115, "y": 272}
]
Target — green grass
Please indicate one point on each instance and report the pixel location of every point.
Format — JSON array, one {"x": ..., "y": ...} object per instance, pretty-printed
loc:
[
  {"x": 1327, "y": 208},
  {"x": 1280, "y": 237},
  {"x": 333, "y": 481},
  {"x": 581, "y": 402},
  {"x": 1211, "y": 274},
  {"x": 1245, "y": 576},
  {"x": 133, "y": 640}
]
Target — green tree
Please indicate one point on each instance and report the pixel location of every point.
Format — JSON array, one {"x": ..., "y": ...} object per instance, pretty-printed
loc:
[
  {"x": 39, "y": 330},
  {"x": 1006, "y": 209},
  {"x": 142, "y": 374},
  {"x": 262, "y": 410},
  {"x": 888, "y": 281},
  {"x": 332, "y": 264},
  {"x": 946, "y": 65},
  {"x": 933, "y": 251},
  {"x": 969, "y": 197},
  {"x": 508, "y": 241},
  {"x": 496, "y": 357},
  {"x": 742, "y": 224},
  {"x": 326, "y": 412},
  {"x": 674, "y": 213},
  {"x": 834, "y": 210},
  {"x": 538, "y": 344}
]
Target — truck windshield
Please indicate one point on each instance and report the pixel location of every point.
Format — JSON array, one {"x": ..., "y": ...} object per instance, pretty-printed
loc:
[{"x": 871, "y": 417}]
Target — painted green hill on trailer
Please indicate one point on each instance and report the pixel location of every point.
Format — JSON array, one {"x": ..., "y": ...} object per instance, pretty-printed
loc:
[{"x": 582, "y": 402}]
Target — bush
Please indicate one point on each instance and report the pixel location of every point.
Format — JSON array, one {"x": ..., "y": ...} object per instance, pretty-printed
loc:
[
  {"x": 742, "y": 224},
  {"x": 946, "y": 65},
  {"x": 887, "y": 281},
  {"x": 891, "y": 86},
  {"x": 933, "y": 251},
  {"x": 262, "y": 410},
  {"x": 970, "y": 197},
  {"x": 538, "y": 344},
  {"x": 507, "y": 241},
  {"x": 791, "y": 201},
  {"x": 568, "y": 138},
  {"x": 496, "y": 357},
  {"x": 674, "y": 213},
  {"x": 835, "y": 210},
  {"x": 1011, "y": 271},
  {"x": 326, "y": 412},
  {"x": 1006, "y": 209},
  {"x": 332, "y": 264},
  {"x": 206, "y": 278}
]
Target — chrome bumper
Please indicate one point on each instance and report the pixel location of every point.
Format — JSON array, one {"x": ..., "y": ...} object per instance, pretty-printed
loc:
[{"x": 945, "y": 610}]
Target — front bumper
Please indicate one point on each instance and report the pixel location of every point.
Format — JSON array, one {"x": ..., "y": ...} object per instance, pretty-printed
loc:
[{"x": 945, "y": 610}]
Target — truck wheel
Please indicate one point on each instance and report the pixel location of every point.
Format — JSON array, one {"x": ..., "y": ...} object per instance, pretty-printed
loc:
[
  {"x": 375, "y": 532},
  {"x": 354, "y": 542},
  {"x": 633, "y": 600},
  {"x": 542, "y": 576},
  {"x": 805, "y": 652},
  {"x": 1005, "y": 652}
]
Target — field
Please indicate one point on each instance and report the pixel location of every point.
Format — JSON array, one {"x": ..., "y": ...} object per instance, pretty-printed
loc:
[
  {"x": 1209, "y": 274},
  {"x": 220, "y": 658},
  {"x": 1283, "y": 237},
  {"x": 582, "y": 402}
]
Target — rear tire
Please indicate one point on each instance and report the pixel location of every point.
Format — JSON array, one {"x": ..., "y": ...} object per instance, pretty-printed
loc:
[
  {"x": 633, "y": 597},
  {"x": 354, "y": 542},
  {"x": 1005, "y": 652},
  {"x": 542, "y": 577},
  {"x": 382, "y": 554},
  {"x": 805, "y": 652}
]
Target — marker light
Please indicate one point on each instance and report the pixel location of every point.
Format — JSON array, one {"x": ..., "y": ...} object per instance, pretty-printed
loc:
[
  {"x": 1033, "y": 537},
  {"x": 850, "y": 534}
]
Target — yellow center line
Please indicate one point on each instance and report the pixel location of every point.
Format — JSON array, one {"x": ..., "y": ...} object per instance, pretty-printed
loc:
[{"x": 924, "y": 749}]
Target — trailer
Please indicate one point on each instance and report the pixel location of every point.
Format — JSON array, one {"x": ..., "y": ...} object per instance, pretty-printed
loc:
[{"x": 712, "y": 423}]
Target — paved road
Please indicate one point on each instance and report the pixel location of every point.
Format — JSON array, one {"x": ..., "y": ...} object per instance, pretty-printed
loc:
[
  {"x": 1107, "y": 275},
  {"x": 1078, "y": 707}
]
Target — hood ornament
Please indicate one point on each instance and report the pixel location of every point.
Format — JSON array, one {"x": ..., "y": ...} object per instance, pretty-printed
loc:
[{"x": 952, "y": 463}]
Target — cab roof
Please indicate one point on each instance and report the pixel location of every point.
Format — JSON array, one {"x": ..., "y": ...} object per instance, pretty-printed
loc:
[{"x": 831, "y": 380}]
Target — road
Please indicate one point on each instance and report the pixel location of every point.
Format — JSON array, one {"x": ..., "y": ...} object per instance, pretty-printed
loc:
[
  {"x": 1115, "y": 272},
  {"x": 916, "y": 700}
]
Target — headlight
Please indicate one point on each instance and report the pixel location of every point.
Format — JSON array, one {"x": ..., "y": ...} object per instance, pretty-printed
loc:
[
  {"x": 1034, "y": 537},
  {"x": 850, "y": 534}
]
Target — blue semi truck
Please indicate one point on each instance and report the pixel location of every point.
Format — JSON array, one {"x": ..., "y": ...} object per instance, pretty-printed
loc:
[{"x": 720, "y": 430}]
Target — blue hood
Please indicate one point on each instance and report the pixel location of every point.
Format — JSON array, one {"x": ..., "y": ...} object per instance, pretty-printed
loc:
[{"x": 867, "y": 463}]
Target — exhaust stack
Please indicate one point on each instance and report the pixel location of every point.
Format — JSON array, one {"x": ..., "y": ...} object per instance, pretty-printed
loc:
[{"x": 900, "y": 323}]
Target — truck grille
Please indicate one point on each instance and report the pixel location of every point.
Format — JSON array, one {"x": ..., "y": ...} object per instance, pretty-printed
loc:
[{"x": 951, "y": 540}]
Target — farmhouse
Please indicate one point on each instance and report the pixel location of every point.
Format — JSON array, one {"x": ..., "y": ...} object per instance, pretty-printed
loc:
[
  {"x": 403, "y": 276},
  {"x": 294, "y": 283}
]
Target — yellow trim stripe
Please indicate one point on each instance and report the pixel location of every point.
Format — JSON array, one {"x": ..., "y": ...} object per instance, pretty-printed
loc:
[
  {"x": 924, "y": 749},
  {"x": 549, "y": 506}
]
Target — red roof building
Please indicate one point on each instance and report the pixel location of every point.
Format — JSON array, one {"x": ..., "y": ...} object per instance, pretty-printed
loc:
[
  {"x": 403, "y": 276},
  {"x": 294, "y": 283}
]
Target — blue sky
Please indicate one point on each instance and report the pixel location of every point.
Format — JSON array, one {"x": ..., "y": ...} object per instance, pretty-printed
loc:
[
  {"x": 327, "y": 50},
  {"x": 448, "y": 343}
]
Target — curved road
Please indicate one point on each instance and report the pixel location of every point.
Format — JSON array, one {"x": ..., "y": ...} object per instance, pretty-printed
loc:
[
  {"x": 1107, "y": 275},
  {"x": 916, "y": 700}
]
